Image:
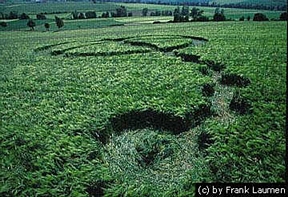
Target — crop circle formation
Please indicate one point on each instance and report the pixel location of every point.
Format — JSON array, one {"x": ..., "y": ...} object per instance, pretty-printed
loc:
[{"x": 148, "y": 142}]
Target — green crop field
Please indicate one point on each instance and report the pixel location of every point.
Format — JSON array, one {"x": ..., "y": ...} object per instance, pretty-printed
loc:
[
  {"x": 134, "y": 109},
  {"x": 264, "y": 2}
]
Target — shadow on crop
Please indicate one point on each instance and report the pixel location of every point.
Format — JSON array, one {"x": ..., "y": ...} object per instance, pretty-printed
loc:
[{"x": 150, "y": 118}]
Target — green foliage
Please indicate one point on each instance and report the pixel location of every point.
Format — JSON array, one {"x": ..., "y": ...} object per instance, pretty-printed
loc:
[
  {"x": 105, "y": 15},
  {"x": 260, "y": 17},
  {"x": 41, "y": 16},
  {"x": 185, "y": 11},
  {"x": 283, "y": 16},
  {"x": 144, "y": 11},
  {"x": 13, "y": 15},
  {"x": 3, "y": 24},
  {"x": 59, "y": 22},
  {"x": 24, "y": 16},
  {"x": 75, "y": 15},
  {"x": 196, "y": 13},
  {"x": 47, "y": 26},
  {"x": 120, "y": 12},
  {"x": 90, "y": 14},
  {"x": 81, "y": 15},
  {"x": 219, "y": 15},
  {"x": 31, "y": 24},
  {"x": 182, "y": 16}
]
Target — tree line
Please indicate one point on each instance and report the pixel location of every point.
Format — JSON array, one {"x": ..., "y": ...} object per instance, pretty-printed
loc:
[
  {"x": 59, "y": 23},
  {"x": 15, "y": 15},
  {"x": 206, "y": 3},
  {"x": 184, "y": 14},
  {"x": 119, "y": 12}
]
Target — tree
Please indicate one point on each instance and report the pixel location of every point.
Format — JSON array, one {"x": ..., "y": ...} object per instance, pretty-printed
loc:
[
  {"x": 185, "y": 13},
  {"x": 105, "y": 15},
  {"x": 283, "y": 16},
  {"x": 260, "y": 17},
  {"x": 177, "y": 15},
  {"x": 242, "y": 18},
  {"x": 144, "y": 11},
  {"x": 24, "y": 16},
  {"x": 219, "y": 15},
  {"x": 248, "y": 18},
  {"x": 47, "y": 26},
  {"x": 31, "y": 24},
  {"x": 217, "y": 10},
  {"x": 81, "y": 16},
  {"x": 75, "y": 14},
  {"x": 59, "y": 22},
  {"x": 121, "y": 12},
  {"x": 90, "y": 14},
  {"x": 3, "y": 24},
  {"x": 222, "y": 11},
  {"x": 196, "y": 13},
  {"x": 41, "y": 16},
  {"x": 185, "y": 10},
  {"x": 13, "y": 15}
]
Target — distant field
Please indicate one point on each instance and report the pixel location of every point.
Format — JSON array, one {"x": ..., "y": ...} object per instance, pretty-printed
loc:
[
  {"x": 34, "y": 8},
  {"x": 64, "y": 10},
  {"x": 69, "y": 24},
  {"x": 264, "y": 2},
  {"x": 67, "y": 7}
]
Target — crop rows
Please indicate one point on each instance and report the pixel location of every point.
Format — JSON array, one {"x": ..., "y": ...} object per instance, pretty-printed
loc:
[
  {"x": 106, "y": 48},
  {"x": 257, "y": 68},
  {"x": 162, "y": 43},
  {"x": 114, "y": 124}
]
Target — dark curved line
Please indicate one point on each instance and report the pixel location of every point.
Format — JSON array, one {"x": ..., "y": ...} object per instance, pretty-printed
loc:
[
  {"x": 196, "y": 38},
  {"x": 49, "y": 46},
  {"x": 149, "y": 118},
  {"x": 59, "y": 52},
  {"x": 105, "y": 53}
]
